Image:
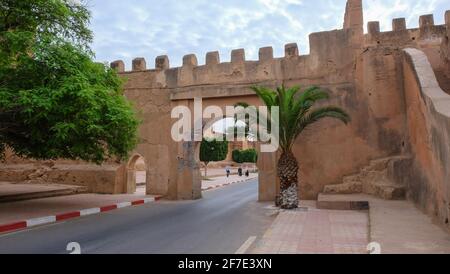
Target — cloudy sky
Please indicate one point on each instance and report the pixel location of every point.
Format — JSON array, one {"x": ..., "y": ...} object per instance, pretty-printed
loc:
[{"x": 148, "y": 28}]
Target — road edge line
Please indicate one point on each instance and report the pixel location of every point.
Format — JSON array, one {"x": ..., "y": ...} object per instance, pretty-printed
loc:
[
  {"x": 33, "y": 222},
  {"x": 246, "y": 245}
]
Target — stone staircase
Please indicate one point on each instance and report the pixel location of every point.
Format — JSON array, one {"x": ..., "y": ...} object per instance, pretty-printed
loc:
[{"x": 374, "y": 179}]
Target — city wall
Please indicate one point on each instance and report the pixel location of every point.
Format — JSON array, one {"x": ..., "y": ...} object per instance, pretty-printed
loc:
[{"x": 367, "y": 74}]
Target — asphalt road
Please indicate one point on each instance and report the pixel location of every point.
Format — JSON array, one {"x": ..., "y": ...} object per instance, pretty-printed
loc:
[{"x": 219, "y": 223}]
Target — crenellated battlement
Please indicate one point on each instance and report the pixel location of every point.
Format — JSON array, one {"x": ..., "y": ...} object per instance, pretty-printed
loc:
[
  {"x": 238, "y": 56},
  {"x": 331, "y": 58},
  {"x": 212, "y": 58},
  {"x": 401, "y": 36},
  {"x": 324, "y": 59},
  {"x": 324, "y": 46}
]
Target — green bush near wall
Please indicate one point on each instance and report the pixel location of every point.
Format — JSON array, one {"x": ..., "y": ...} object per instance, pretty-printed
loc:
[
  {"x": 236, "y": 155},
  {"x": 245, "y": 156}
]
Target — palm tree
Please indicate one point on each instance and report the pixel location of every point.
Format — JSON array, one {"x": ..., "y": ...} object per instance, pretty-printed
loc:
[{"x": 295, "y": 115}]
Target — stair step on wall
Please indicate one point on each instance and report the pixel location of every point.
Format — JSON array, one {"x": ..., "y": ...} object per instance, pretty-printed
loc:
[
  {"x": 349, "y": 187},
  {"x": 389, "y": 191},
  {"x": 373, "y": 180},
  {"x": 341, "y": 202}
]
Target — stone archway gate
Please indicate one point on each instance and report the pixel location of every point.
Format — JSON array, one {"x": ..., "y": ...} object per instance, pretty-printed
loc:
[
  {"x": 173, "y": 167},
  {"x": 362, "y": 73}
]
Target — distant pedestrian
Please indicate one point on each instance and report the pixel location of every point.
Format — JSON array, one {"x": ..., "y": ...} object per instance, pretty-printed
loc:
[
  {"x": 240, "y": 171},
  {"x": 227, "y": 170},
  {"x": 247, "y": 173}
]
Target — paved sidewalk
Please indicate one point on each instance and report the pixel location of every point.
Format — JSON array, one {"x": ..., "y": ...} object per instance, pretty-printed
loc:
[
  {"x": 22, "y": 191},
  {"x": 217, "y": 182},
  {"x": 400, "y": 228},
  {"x": 24, "y": 210},
  {"x": 7, "y": 188},
  {"x": 220, "y": 172},
  {"x": 217, "y": 172},
  {"x": 315, "y": 231}
]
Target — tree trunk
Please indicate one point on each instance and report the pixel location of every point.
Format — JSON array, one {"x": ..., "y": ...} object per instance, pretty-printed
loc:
[{"x": 288, "y": 174}]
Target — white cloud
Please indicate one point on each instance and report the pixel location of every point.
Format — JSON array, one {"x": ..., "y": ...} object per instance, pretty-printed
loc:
[
  {"x": 136, "y": 28},
  {"x": 385, "y": 11}
]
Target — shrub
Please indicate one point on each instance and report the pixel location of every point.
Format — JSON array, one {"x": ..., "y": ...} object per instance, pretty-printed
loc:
[
  {"x": 236, "y": 154},
  {"x": 245, "y": 156},
  {"x": 213, "y": 151}
]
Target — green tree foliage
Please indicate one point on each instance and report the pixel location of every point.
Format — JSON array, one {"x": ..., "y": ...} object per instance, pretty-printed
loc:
[
  {"x": 250, "y": 156},
  {"x": 213, "y": 151},
  {"x": 55, "y": 102},
  {"x": 245, "y": 156},
  {"x": 236, "y": 155}
]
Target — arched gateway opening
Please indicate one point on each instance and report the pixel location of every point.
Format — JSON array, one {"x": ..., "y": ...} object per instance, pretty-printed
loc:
[
  {"x": 241, "y": 151},
  {"x": 136, "y": 175},
  {"x": 193, "y": 168}
]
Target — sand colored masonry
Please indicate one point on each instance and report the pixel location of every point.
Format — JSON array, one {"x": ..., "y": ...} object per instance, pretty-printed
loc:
[{"x": 394, "y": 84}]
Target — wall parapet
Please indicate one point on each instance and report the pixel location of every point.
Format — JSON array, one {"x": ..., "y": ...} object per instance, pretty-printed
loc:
[
  {"x": 428, "y": 82},
  {"x": 428, "y": 120},
  {"x": 330, "y": 50},
  {"x": 211, "y": 59},
  {"x": 401, "y": 35}
]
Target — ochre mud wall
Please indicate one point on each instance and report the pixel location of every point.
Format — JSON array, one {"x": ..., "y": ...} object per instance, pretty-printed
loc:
[
  {"x": 428, "y": 120},
  {"x": 108, "y": 178},
  {"x": 364, "y": 74}
]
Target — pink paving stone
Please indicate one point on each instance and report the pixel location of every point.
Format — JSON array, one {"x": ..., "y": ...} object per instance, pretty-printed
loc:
[{"x": 316, "y": 232}]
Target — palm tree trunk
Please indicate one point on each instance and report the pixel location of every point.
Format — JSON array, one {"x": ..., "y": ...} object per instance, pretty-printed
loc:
[{"x": 288, "y": 174}]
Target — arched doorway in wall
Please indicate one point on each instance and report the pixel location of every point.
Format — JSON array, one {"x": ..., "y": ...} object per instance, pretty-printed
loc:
[
  {"x": 188, "y": 165},
  {"x": 225, "y": 128},
  {"x": 136, "y": 175}
]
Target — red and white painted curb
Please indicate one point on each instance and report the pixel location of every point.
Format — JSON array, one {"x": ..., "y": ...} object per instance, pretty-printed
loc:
[
  {"x": 227, "y": 184},
  {"x": 70, "y": 215}
]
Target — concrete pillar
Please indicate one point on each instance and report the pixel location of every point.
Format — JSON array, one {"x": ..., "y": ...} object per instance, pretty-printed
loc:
[
  {"x": 291, "y": 50},
  {"x": 131, "y": 181},
  {"x": 398, "y": 24},
  {"x": 353, "y": 18},
  {"x": 139, "y": 64},
  {"x": 446, "y": 48},
  {"x": 354, "y": 22},
  {"x": 268, "y": 182},
  {"x": 190, "y": 60},
  {"x": 373, "y": 28},
  {"x": 265, "y": 54},
  {"x": 447, "y": 22},
  {"x": 426, "y": 24},
  {"x": 237, "y": 56},
  {"x": 447, "y": 18},
  {"x": 212, "y": 58},
  {"x": 118, "y": 65},
  {"x": 426, "y": 21},
  {"x": 189, "y": 178},
  {"x": 162, "y": 62}
]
